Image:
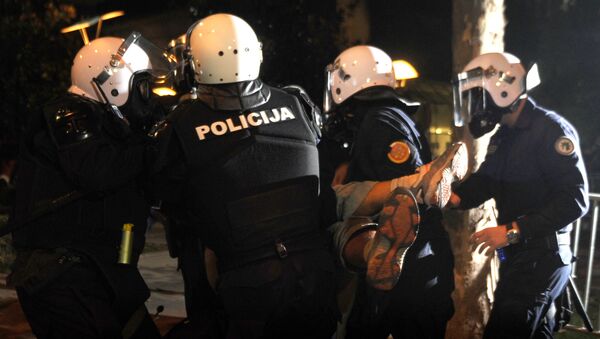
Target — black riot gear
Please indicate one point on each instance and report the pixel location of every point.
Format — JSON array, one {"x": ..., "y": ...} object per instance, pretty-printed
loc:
[
  {"x": 142, "y": 109},
  {"x": 77, "y": 185},
  {"x": 245, "y": 181}
]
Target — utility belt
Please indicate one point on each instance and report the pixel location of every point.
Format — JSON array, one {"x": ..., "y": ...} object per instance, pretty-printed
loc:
[
  {"x": 550, "y": 242},
  {"x": 280, "y": 249}
]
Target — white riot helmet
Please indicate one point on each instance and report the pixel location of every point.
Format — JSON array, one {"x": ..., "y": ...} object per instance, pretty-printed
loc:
[
  {"x": 489, "y": 86},
  {"x": 103, "y": 69},
  {"x": 355, "y": 69},
  {"x": 224, "y": 49}
]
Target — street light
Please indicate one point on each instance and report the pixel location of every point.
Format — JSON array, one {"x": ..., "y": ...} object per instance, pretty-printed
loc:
[
  {"x": 403, "y": 71},
  {"x": 82, "y": 25},
  {"x": 107, "y": 16}
]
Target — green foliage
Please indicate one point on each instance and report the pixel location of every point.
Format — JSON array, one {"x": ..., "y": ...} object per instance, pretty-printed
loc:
[{"x": 36, "y": 58}]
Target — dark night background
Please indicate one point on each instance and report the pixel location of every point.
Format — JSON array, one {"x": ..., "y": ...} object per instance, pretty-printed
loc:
[{"x": 301, "y": 36}]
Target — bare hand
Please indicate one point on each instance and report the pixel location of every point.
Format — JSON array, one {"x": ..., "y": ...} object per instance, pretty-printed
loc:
[{"x": 490, "y": 238}]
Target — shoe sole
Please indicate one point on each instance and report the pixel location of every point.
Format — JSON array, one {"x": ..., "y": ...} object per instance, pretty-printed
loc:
[
  {"x": 451, "y": 167},
  {"x": 397, "y": 231}
]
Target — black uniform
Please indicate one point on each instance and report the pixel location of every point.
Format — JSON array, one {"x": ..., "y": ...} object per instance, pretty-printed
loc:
[
  {"x": 240, "y": 166},
  {"x": 387, "y": 145},
  {"x": 535, "y": 172},
  {"x": 79, "y": 181}
]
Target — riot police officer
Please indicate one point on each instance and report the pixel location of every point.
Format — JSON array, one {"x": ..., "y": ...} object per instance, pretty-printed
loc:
[
  {"x": 384, "y": 144},
  {"x": 80, "y": 179},
  {"x": 239, "y": 167},
  {"x": 534, "y": 171}
]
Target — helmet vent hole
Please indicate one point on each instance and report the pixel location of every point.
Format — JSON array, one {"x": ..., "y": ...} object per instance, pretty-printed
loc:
[
  {"x": 504, "y": 94},
  {"x": 209, "y": 75},
  {"x": 338, "y": 91},
  {"x": 236, "y": 74},
  {"x": 347, "y": 77},
  {"x": 235, "y": 51},
  {"x": 221, "y": 79},
  {"x": 114, "y": 92},
  {"x": 89, "y": 66},
  {"x": 221, "y": 53}
]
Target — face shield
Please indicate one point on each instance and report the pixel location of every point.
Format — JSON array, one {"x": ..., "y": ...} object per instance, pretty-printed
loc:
[
  {"x": 182, "y": 78},
  {"x": 469, "y": 96},
  {"x": 328, "y": 102},
  {"x": 473, "y": 104},
  {"x": 137, "y": 54}
]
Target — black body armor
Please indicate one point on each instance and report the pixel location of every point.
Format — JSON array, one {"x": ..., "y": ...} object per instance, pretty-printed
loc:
[
  {"x": 77, "y": 185},
  {"x": 258, "y": 171}
]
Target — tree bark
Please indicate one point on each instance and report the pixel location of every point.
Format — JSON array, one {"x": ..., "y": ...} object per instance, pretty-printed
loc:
[{"x": 478, "y": 27}]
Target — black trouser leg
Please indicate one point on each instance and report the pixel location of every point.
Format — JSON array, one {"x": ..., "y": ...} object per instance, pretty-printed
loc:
[{"x": 528, "y": 284}]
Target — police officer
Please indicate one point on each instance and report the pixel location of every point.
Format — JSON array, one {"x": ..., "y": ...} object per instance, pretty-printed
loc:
[
  {"x": 534, "y": 171},
  {"x": 384, "y": 144},
  {"x": 239, "y": 165},
  {"x": 80, "y": 180}
]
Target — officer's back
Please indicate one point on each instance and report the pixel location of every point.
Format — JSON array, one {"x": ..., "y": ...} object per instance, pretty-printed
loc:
[{"x": 240, "y": 163}]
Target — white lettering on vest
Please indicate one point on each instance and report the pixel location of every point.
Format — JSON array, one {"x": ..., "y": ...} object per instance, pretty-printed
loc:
[
  {"x": 286, "y": 114},
  {"x": 245, "y": 121},
  {"x": 265, "y": 117},
  {"x": 218, "y": 128},
  {"x": 276, "y": 117},
  {"x": 252, "y": 119},
  {"x": 232, "y": 127},
  {"x": 202, "y": 130}
]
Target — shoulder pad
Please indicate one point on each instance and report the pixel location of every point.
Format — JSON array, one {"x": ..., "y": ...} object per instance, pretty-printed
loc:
[
  {"x": 313, "y": 112},
  {"x": 73, "y": 120}
]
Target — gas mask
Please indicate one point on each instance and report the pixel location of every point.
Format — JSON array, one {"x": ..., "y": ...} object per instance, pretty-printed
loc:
[
  {"x": 475, "y": 105},
  {"x": 483, "y": 112},
  {"x": 142, "y": 110},
  {"x": 490, "y": 86}
]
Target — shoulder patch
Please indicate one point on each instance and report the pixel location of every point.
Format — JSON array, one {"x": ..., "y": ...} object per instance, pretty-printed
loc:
[
  {"x": 399, "y": 152},
  {"x": 564, "y": 146}
]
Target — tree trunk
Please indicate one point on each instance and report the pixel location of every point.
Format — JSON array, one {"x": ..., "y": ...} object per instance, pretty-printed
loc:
[{"x": 478, "y": 27}]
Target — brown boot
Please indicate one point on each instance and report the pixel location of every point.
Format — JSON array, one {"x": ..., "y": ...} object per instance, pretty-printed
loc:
[
  {"x": 448, "y": 168},
  {"x": 397, "y": 231}
]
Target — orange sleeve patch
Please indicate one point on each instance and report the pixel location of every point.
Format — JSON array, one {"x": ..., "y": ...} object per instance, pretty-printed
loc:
[{"x": 399, "y": 152}]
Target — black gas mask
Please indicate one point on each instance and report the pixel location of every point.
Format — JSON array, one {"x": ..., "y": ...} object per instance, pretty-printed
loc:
[
  {"x": 142, "y": 110},
  {"x": 484, "y": 113},
  {"x": 482, "y": 95}
]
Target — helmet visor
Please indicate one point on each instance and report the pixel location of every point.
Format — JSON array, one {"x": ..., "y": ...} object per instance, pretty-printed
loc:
[
  {"x": 469, "y": 95},
  {"x": 160, "y": 65},
  {"x": 328, "y": 102}
]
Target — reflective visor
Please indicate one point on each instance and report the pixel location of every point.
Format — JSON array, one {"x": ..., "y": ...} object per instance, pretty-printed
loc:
[
  {"x": 160, "y": 63},
  {"x": 469, "y": 95},
  {"x": 328, "y": 102}
]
